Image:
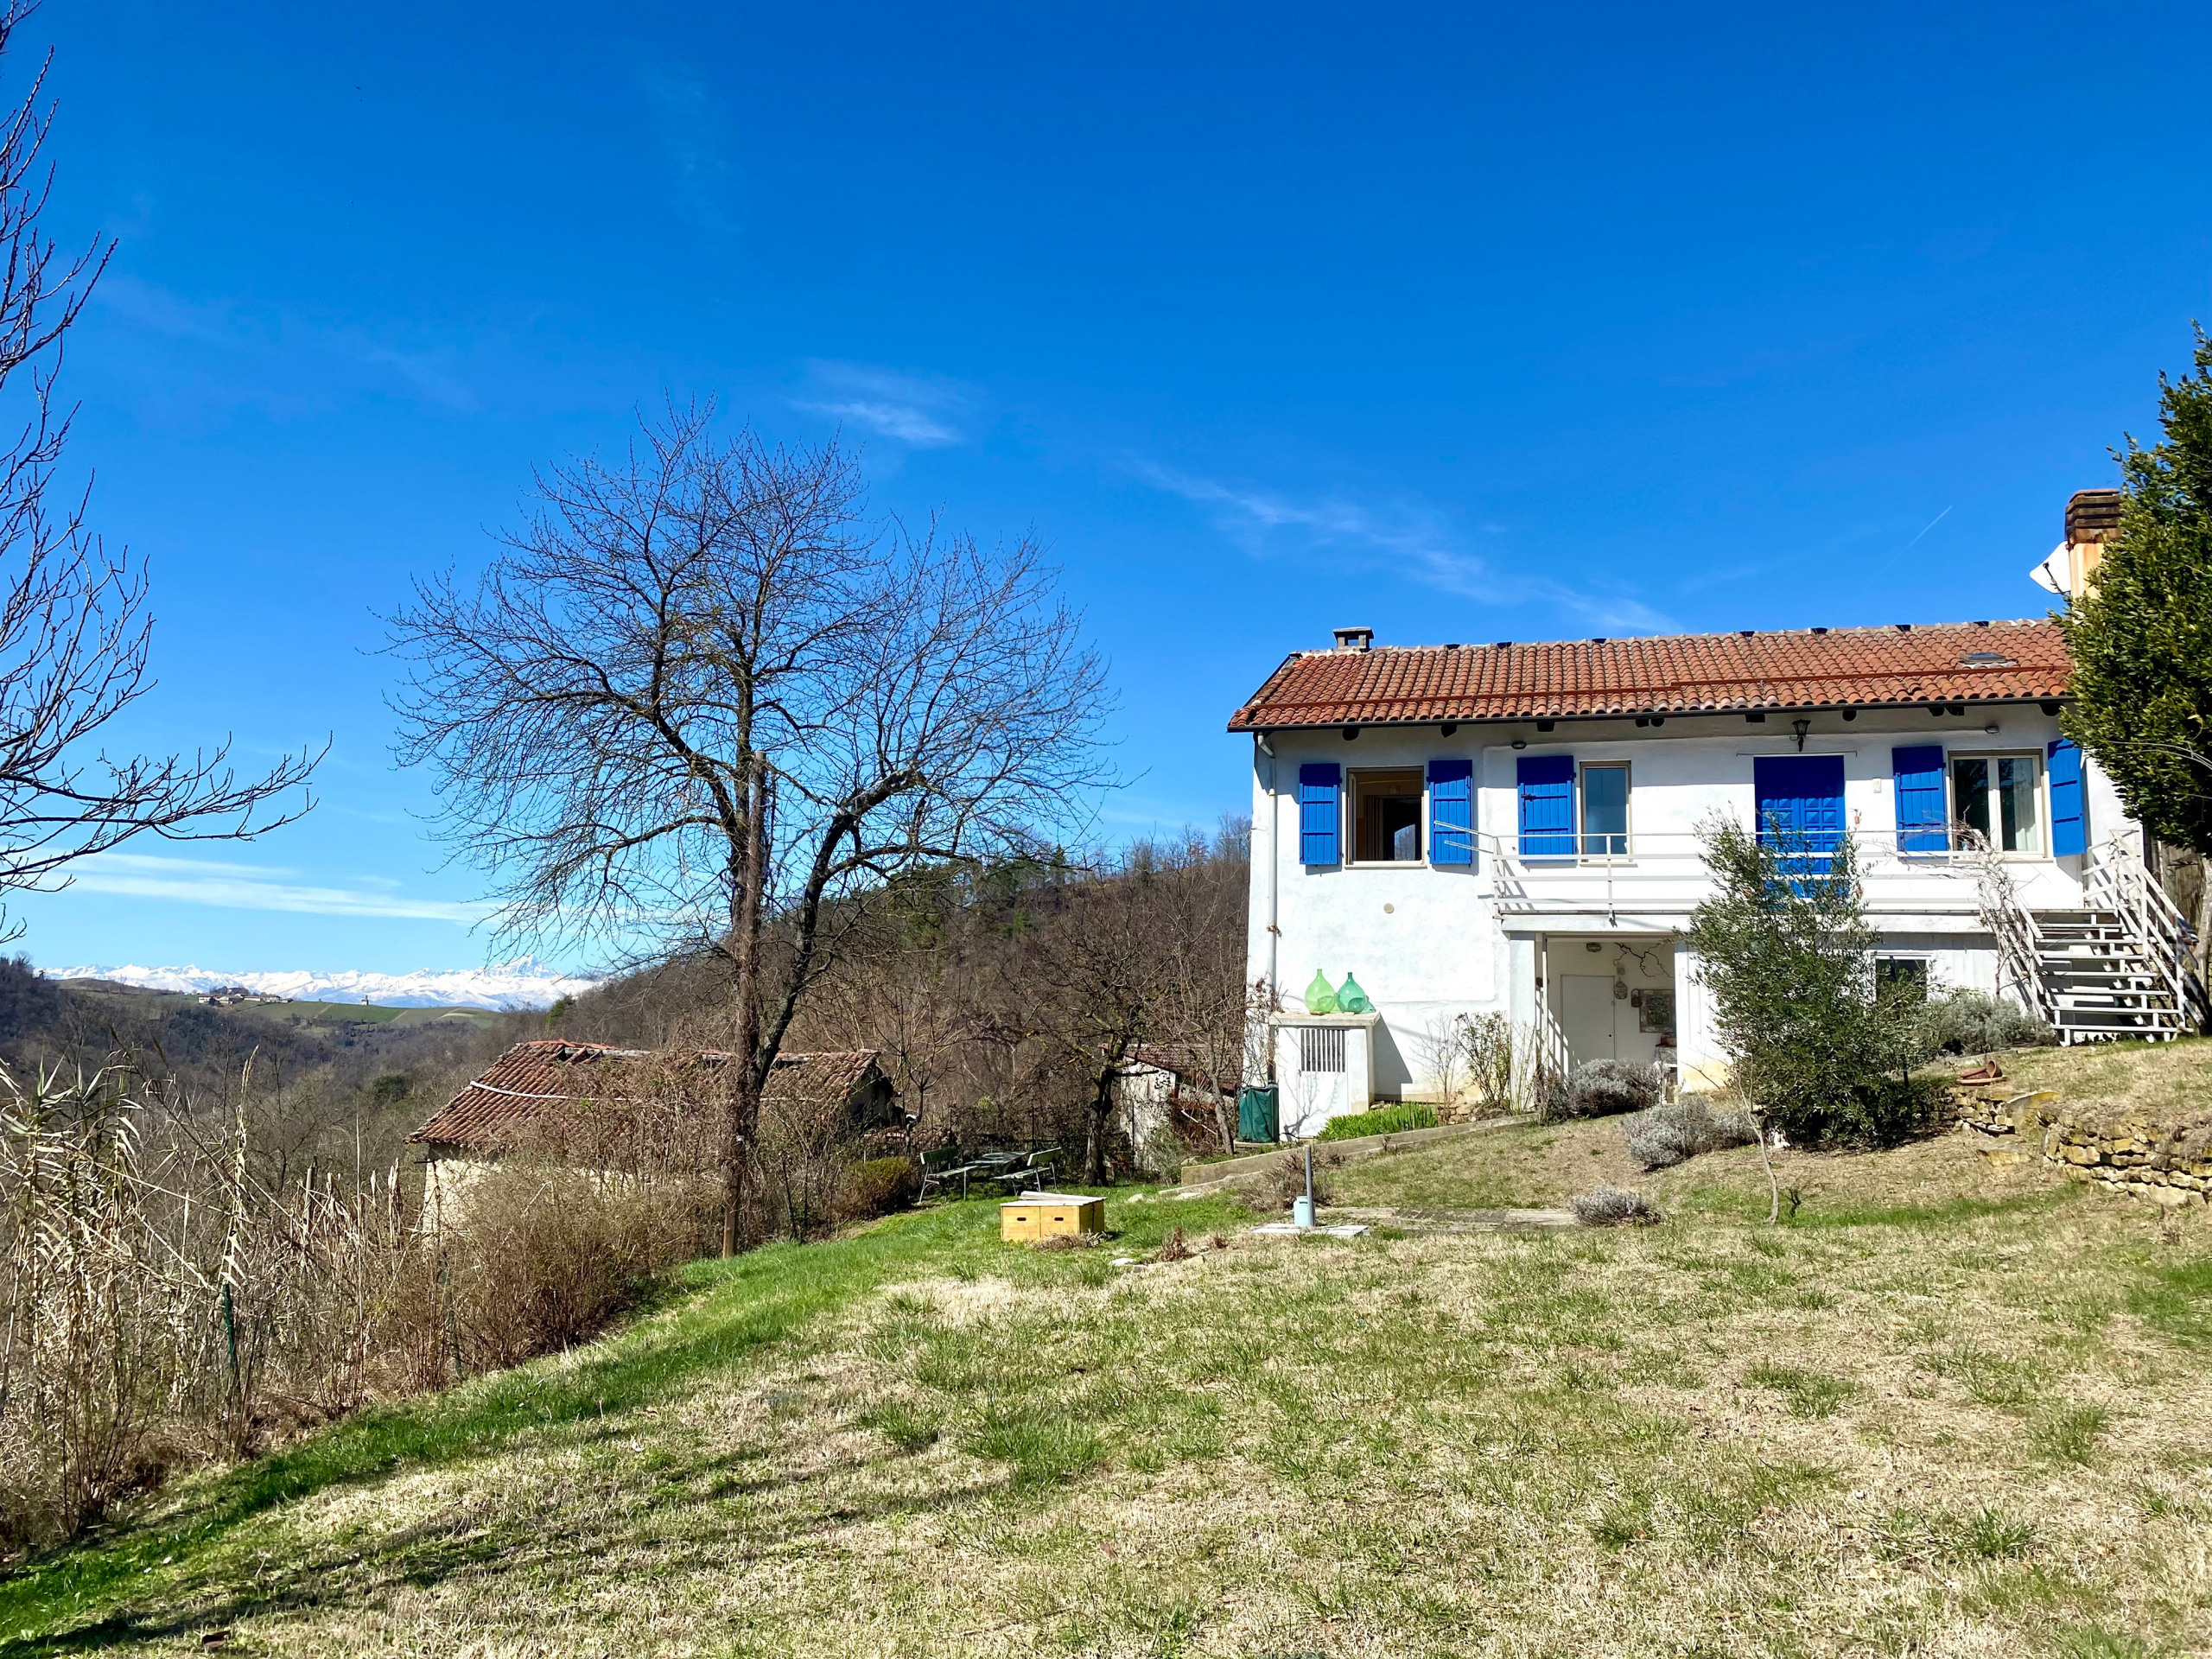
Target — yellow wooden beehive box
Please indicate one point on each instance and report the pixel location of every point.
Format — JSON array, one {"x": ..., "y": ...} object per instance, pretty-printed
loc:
[{"x": 1049, "y": 1215}]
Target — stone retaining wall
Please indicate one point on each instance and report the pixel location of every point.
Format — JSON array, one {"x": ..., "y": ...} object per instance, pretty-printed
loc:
[{"x": 2165, "y": 1157}]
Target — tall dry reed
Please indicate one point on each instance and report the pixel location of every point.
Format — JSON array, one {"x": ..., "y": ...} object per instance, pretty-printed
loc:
[{"x": 168, "y": 1301}]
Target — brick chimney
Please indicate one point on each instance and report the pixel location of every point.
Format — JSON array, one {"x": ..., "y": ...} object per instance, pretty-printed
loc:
[{"x": 2092, "y": 519}]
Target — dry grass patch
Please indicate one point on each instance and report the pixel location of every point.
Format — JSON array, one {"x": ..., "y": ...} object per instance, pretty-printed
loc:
[
  {"x": 1970, "y": 1424},
  {"x": 1520, "y": 1166},
  {"x": 2163, "y": 1076}
]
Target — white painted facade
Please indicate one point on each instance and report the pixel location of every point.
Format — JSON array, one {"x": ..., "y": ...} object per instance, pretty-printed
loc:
[{"x": 1510, "y": 934}]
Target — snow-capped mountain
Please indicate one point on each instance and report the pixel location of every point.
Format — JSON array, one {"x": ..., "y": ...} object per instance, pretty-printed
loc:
[{"x": 524, "y": 982}]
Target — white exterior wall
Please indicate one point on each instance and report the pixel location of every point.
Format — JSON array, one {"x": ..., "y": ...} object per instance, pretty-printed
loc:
[
  {"x": 1430, "y": 943},
  {"x": 1304, "y": 1099}
]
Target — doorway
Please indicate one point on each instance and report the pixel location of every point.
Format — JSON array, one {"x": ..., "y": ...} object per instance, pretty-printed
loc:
[
  {"x": 1598, "y": 1025},
  {"x": 1612, "y": 996}
]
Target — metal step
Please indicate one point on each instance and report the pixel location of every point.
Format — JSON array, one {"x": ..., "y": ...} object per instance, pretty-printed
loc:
[
  {"x": 2118, "y": 1020},
  {"x": 2098, "y": 982}
]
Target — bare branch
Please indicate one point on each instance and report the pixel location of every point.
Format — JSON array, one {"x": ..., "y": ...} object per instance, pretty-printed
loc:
[
  {"x": 74, "y": 626},
  {"x": 699, "y": 661}
]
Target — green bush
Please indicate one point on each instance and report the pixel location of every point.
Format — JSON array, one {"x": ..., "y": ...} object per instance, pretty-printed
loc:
[
  {"x": 1973, "y": 1022},
  {"x": 1882, "y": 1112},
  {"x": 1605, "y": 1089},
  {"x": 1822, "y": 1047},
  {"x": 877, "y": 1186},
  {"x": 1384, "y": 1119}
]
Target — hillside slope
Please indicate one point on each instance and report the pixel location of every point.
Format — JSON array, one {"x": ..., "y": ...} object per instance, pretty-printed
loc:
[
  {"x": 1959, "y": 1408},
  {"x": 327, "y": 1079}
]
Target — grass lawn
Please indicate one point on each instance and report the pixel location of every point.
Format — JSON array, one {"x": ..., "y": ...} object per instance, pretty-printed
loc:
[
  {"x": 1956, "y": 1408},
  {"x": 2171, "y": 1077}
]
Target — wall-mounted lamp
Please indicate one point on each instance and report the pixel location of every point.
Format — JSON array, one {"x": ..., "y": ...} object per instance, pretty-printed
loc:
[
  {"x": 1520, "y": 743},
  {"x": 1800, "y": 726},
  {"x": 1448, "y": 727},
  {"x": 1351, "y": 732},
  {"x": 1991, "y": 728},
  {"x": 1851, "y": 714}
]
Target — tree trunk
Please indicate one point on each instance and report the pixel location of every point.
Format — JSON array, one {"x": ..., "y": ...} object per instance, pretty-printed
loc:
[
  {"x": 1094, "y": 1140},
  {"x": 1766, "y": 1156},
  {"x": 745, "y": 1096},
  {"x": 2203, "y": 933}
]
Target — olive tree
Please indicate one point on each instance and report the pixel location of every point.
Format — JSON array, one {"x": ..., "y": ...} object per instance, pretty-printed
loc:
[{"x": 1820, "y": 1050}]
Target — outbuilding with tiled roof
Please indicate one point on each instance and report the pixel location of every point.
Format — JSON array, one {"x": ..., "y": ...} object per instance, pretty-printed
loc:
[{"x": 532, "y": 1093}]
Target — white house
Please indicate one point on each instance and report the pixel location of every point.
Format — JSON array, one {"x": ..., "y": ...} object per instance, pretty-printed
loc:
[{"x": 1512, "y": 827}]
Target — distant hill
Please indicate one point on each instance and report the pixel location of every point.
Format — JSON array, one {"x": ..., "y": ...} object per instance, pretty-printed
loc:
[
  {"x": 519, "y": 985},
  {"x": 329, "y": 1079}
]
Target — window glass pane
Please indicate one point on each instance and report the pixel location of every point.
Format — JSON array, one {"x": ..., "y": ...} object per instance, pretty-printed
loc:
[
  {"x": 1970, "y": 793},
  {"x": 1998, "y": 796},
  {"x": 1605, "y": 811},
  {"x": 2016, "y": 788}
]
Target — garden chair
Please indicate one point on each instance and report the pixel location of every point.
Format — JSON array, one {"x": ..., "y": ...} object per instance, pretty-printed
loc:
[{"x": 940, "y": 1169}]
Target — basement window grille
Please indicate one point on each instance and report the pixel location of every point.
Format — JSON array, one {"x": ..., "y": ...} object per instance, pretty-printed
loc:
[{"x": 1321, "y": 1048}]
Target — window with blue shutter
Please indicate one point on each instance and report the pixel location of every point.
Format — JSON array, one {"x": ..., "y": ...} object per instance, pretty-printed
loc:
[
  {"x": 1799, "y": 798},
  {"x": 1318, "y": 812},
  {"x": 1450, "y": 812},
  {"x": 1547, "y": 788},
  {"x": 1923, "y": 825},
  {"x": 2069, "y": 824}
]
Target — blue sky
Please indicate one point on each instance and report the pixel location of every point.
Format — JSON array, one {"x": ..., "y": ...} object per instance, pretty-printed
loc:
[{"x": 1456, "y": 323}]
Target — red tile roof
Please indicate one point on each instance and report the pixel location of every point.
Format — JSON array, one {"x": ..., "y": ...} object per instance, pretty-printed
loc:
[
  {"x": 1185, "y": 1062},
  {"x": 526, "y": 1086},
  {"x": 1687, "y": 673}
]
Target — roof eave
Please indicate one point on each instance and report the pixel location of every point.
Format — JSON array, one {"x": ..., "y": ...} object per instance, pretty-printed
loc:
[{"x": 1240, "y": 724}]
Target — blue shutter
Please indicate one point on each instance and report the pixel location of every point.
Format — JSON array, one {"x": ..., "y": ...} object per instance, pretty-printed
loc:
[
  {"x": 1318, "y": 814},
  {"x": 1923, "y": 824},
  {"x": 1800, "y": 802},
  {"x": 1450, "y": 812},
  {"x": 2069, "y": 828},
  {"x": 1546, "y": 805}
]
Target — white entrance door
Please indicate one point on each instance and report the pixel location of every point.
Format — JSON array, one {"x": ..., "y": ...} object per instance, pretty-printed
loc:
[{"x": 1585, "y": 1014}]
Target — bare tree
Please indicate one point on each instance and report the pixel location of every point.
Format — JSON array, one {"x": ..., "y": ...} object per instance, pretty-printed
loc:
[
  {"x": 74, "y": 629},
  {"x": 901, "y": 988},
  {"x": 1140, "y": 950},
  {"x": 1201, "y": 1016},
  {"x": 697, "y": 699},
  {"x": 1086, "y": 989}
]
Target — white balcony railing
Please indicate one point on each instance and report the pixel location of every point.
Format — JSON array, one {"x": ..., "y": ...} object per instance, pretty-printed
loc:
[{"x": 1666, "y": 870}]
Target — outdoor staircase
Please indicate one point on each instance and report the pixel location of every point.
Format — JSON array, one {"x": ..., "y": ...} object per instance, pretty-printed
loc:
[
  {"x": 2100, "y": 982},
  {"x": 2122, "y": 966}
]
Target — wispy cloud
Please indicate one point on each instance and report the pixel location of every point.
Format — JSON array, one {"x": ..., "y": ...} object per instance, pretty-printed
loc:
[
  {"x": 1406, "y": 537},
  {"x": 693, "y": 134},
  {"x": 909, "y": 409},
  {"x": 251, "y": 886},
  {"x": 246, "y": 335}
]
